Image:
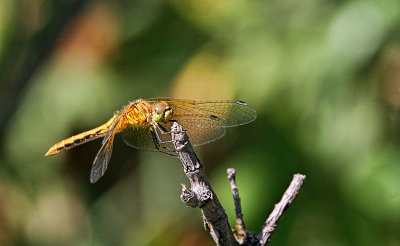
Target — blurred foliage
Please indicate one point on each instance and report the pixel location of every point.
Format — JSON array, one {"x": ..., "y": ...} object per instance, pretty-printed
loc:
[{"x": 323, "y": 75}]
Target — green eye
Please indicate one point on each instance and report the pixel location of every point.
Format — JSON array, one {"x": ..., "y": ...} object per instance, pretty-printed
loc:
[{"x": 158, "y": 117}]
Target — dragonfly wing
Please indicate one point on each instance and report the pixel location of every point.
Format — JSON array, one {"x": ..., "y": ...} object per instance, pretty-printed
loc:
[
  {"x": 102, "y": 158},
  {"x": 144, "y": 137},
  {"x": 200, "y": 135},
  {"x": 211, "y": 114},
  {"x": 117, "y": 118}
]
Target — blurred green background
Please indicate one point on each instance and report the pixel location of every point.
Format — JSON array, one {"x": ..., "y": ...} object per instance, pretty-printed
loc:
[{"x": 324, "y": 77}]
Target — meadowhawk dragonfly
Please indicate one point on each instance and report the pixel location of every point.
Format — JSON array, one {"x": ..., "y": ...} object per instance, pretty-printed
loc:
[{"x": 145, "y": 124}]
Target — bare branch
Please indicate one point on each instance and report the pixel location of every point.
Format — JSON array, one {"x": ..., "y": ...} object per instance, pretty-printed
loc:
[
  {"x": 240, "y": 227},
  {"x": 201, "y": 194},
  {"x": 287, "y": 199}
]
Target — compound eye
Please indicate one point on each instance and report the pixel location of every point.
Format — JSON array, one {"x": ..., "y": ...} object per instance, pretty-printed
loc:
[{"x": 159, "y": 108}]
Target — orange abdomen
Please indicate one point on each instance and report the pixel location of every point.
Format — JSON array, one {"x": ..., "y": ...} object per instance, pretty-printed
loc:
[
  {"x": 80, "y": 138},
  {"x": 135, "y": 113}
]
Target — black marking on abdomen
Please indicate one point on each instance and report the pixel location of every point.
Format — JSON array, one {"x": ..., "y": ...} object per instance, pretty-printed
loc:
[
  {"x": 68, "y": 145},
  {"x": 60, "y": 148},
  {"x": 76, "y": 141},
  {"x": 242, "y": 103},
  {"x": 214, "y": 117}
]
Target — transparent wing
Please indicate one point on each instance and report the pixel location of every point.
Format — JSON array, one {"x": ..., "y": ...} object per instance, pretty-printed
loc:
[
  {"x": 205, "y": 121},
  {"x": 117, "y": 118},
  {"x": 210, "y": 114},
  {"x": 102, "y": 158},
  {"x": 101, "y": 161},
  {"x": 144, "y": 137},
  {"x": 199, "y": 135}
]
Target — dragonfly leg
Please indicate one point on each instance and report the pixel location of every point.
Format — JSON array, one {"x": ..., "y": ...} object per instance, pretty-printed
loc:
[
  {"x": 156, "y": 136},
  {"x": 157, "y": 141},
  {"x": 163, "y": 131}
]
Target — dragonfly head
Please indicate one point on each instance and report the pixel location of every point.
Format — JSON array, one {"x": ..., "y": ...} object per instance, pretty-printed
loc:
[{"x": 162, "y": 112}]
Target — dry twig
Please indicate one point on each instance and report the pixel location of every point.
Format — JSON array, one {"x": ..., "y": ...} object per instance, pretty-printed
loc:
[
  {"x": 201, "y": 195},
  {"x": 240, "y": 227},
  {"x": 287, "y": 199}
]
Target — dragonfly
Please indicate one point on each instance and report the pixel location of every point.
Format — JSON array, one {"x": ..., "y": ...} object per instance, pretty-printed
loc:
[{"x": 146, "y": 124}]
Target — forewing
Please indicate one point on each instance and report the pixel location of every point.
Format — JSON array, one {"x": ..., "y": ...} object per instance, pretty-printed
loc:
[
  {"x": 118, "y": 116},
  {"x": 101, "y": 161},
  {"x": 210, "y": 114},
  {"x": 205, "y": 121}
]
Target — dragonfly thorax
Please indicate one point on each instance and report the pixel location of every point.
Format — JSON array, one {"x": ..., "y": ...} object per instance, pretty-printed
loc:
[{"x": 162, "y": 112}]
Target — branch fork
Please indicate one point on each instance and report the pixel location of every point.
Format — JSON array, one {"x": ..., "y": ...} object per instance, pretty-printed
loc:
[{"x": 201, "y": 195}]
